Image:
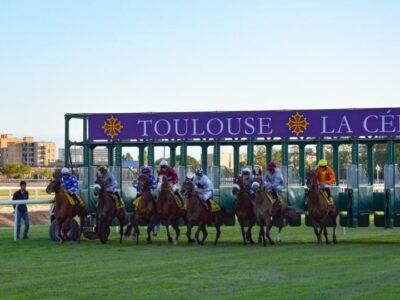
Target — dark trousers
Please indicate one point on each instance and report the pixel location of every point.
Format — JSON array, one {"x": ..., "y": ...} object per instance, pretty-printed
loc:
[{"x": 25, "y": 217}]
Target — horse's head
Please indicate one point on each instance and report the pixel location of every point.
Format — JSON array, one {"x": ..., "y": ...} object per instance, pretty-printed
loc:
[
  {"x": 100, "y": 184},
  {"x": 54, "y": 185},
  {"x": 144, "y": 183},
  {"x": 187, "y": 187},
  {"x": 311, "y": 178},
  {"x": 162, "y": 183},
  {"x": 238, "y": 185}
]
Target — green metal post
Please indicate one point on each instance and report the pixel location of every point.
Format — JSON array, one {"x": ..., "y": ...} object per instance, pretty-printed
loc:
[
  {"x": 217, "y": 155},
  {"x": 236, "y": 159},
  {"x": 67, "y": 143},
  {"x": 390, "y": 193},
  {"x": 250, "y": 154},
  {"x": 302, "y": 164},
  {"x": 172, "y": 155},
  {"x": 268, "y": 153},
  {"x": 354, "y": 152},
  {"x": 285, "y": 153},
  {"x": 183, "y": 161},
  {"x": 110, "y": 155},
  {"x": 150, "y": 155},
  {"x": 204, "y": 157},
  {"x": 370, "y": 162},
  {"x": 336, "y": 165},
  {"x": 320, "y": 150},
  {"x": 141, "y": 156},
  {"x": 356, "y": 194}
]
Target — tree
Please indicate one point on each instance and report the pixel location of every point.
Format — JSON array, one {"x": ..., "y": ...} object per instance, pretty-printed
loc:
[
  {"x": 24, "y": 170},
  {"x": 190, "y": 161},
  {"x": 127, "y": 157},
  {"x": 10, "y": 169}
]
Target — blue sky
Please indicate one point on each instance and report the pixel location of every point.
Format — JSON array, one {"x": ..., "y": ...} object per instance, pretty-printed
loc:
[{"x": 141, "y": 56}]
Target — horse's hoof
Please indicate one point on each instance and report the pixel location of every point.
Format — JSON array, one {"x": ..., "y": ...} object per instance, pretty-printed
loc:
[
  {"x": 252, "y": 242},
  {"x": 335, "y": 242},
  {"x": 273, "y": 243},
  {"x": 259, "y": 240},
  {"x": 191, "y": 241},
  {"x": 170, "y": 240},
  {"x": 149, "y": 242}
]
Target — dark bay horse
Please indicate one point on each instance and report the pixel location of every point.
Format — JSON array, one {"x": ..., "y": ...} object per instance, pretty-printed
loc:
[
  {"x": 64, "y": 210},
  {"x": 167, "y": 209},
  {"x": 243, "y": 209},
  {"x": 197, "y": 214},
  {"x": 106, "y": 211},
  {"x": 318, "y": 208},
  {"x": 146, "y": 211}
]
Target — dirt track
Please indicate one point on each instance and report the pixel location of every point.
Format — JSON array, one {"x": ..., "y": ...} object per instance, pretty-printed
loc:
[{"x": 38, "y": 215}]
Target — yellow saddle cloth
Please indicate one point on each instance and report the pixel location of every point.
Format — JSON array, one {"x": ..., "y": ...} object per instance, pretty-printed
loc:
[
  {"x": 273, "y": 200},
  {"x": 118, "y": 204},
  {"x": 72, "y": 201},
  {"x": 137, "y": 201},
  {"x": 178, "y": 201},
  {"x": 329, "y": 200},
  {"x": 214, "y": 206}
]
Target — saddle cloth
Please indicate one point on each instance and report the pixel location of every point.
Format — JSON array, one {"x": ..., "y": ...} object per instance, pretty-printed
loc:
[
  {"x": 178, "y": 201},
  {"x": 117, "y": 204},
  {"x": 329, "y": 200},
  {"x": 273, "y": 200},
  {"x": 214, "y": 206},
  {"x": 71, "y": 200}
]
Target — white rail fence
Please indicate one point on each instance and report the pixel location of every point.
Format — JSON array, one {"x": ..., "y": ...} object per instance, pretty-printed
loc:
[{"x": 20, "y": 202}]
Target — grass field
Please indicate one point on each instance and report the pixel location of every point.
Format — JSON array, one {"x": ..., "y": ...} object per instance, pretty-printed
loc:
[{"x": 366, "y": 264}]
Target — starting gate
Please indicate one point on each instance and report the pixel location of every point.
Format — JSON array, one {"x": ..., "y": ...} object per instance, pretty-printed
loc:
[{"x": 357, "y": 200}]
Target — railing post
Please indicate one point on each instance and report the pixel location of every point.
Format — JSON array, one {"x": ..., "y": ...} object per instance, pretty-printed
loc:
[{"x": 15, "y": 222}]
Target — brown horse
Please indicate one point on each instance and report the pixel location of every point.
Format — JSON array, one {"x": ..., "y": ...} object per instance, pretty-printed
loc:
[
  {"x": 106, "y": 211},
  {"x": 243, "y": 209},
  {"x": 197, "y": 214},
  {"x": 263, "y": 209},
  {"x": 318, "y": 208},
  {"x": 167, "y": 209},
  {"x": 278, "y": 211},
  {"x": 64, "y": 210},
  {"x": 146, "y": 211}
]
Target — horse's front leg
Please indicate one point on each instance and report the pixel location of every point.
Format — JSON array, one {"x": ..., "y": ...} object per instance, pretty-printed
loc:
[
  {"x": 269, "y": 224},
  {"x": 189, "y": 233},
  {"x": 218, "y": 234},
  {"x": 168, "y": 233},
  {"x": 248, "y": 234},
  {"x": 60, "y": 228},
  {"x": 205, "y": 234},
  {"x": 243, "y": 235}
]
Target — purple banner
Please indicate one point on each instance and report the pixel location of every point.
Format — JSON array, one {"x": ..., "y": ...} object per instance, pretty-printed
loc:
[{"x": 245, "y": 124}]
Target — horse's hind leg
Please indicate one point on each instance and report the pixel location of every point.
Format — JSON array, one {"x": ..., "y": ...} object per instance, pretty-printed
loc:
[
  {"x": 326, "y": 235},
  {"x": 205, "y": 234},
  {"x": 60, "y": 228},
  {"x": 243, "y": 235},
  {"x": 262, "y": 233},
  {"x": 318, "y": 235},
  {"x": 128, "y": 229},
  {"x": 137, "y": 231},
  {"x": 121, "y": 226},
  {"x": 218, "y": 234},
  {"x": 334, "y": 224},
  {"x": 268, "y": 228},
  {"x": 168, "y": 233},
  {"x": 177, "y": 231}
]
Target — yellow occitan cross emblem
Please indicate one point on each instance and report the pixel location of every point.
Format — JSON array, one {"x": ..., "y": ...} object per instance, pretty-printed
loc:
[
  {"x": 112, "y": 127},
  {"x": 297, "y": 123}
]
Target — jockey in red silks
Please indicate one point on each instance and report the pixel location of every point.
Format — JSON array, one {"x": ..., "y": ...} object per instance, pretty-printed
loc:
[{"x": 172, "y": 177}]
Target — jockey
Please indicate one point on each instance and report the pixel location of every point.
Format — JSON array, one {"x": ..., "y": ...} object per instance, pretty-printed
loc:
[
  {"x": 70, "y": 184},
  {"x": 111, "y": 182},
  {"x": 325, "y": 176},
  {"x": 153, "y": 182},
  {"x": 273, "y": 180},
  {"x": 172, "y": 177},
  {"x": 248, "y": 180},
  {"x": 204, "y": 187}
]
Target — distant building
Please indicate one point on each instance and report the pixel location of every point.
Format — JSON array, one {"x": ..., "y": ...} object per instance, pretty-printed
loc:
[
  {"x": 100, "y": 155},
  {"x": 26, "y": 151}
]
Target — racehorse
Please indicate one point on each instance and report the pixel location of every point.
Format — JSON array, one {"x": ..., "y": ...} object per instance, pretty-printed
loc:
[
  {"x": 64, "y": 210},
  {"x": 167, "y": 209},
  {"x": 263, "y": 212},
  {"x": 197, "y": 214},
  {"x": 106, "y": 210},
  {"x": 318, "y": 208},
  {"x": 146, "y": 210},
  {"x": 243, "y": 209}
]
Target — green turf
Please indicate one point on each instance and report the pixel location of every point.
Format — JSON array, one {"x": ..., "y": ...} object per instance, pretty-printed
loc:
[{"x": 366, "y": 264}]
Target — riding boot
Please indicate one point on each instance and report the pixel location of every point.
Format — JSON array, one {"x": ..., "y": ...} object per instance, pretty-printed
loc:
[
  {"x": 78, "y": 200},
  {"x": 328, "y": 193},
  {"x": 209, "y": 206},
  {"x": 180, "y": 198}
]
